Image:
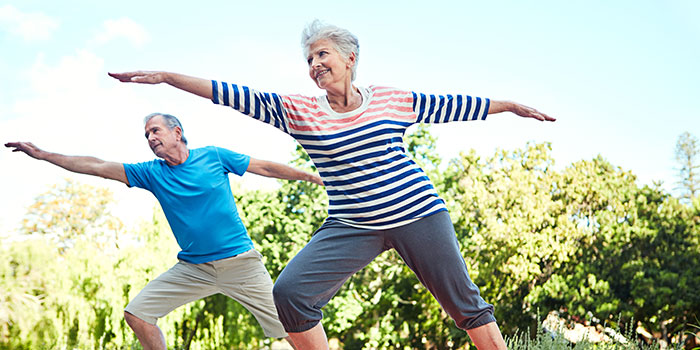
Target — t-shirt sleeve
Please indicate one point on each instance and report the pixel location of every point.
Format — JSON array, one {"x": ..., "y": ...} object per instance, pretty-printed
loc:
[
  {"x": 266, "y": 107},
  {"x": 233, "y": 162},
  {"x": 449, "y": 108},
  {"x": 138, "y": 174}
]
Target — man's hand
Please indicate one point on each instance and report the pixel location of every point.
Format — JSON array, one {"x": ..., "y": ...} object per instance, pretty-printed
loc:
[
  {"x": 281, "y": 171},
  {"x": 76, "y": 164},
  {"x": 143, "y": 77},
  {"x": 316, "y": 179},
  {"x": 26, "y": 147}
]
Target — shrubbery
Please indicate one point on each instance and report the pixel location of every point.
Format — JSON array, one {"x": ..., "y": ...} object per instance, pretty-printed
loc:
[{"x": 585, "y": 240}]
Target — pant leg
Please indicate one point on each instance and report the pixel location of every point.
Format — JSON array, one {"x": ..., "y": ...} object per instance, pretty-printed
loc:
[
  {"x": 318, "y": 271},
  {"x": 245, "y": 279},
  {"x": 181, "y": 284},
  {"x": 430, "y": 248}
]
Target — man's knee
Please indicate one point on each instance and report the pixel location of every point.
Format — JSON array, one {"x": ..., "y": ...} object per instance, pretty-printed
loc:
[
  {"x": 129, "y": 318},
  {"x": 133, "y": 321}
]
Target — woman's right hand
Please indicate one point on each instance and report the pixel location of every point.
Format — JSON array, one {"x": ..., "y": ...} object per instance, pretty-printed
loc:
[
  {"x": 143, "y": 77},
  {"x": 198, "y": 86}
]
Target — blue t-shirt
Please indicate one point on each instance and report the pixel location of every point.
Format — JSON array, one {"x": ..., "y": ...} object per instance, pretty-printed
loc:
[{"x": 197, "y": 201}]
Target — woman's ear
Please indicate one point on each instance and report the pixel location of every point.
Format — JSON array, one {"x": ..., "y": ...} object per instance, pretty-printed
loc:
[{"x": 351, "y": 60}]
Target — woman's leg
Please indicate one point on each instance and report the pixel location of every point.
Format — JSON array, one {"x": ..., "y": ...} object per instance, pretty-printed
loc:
[
  {"x": 429, "y": 247},
  {"x": 316, "y": 273}
]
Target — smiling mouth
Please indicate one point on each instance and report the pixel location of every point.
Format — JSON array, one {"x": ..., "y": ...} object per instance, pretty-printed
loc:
[{"x": 322, "y": 73}]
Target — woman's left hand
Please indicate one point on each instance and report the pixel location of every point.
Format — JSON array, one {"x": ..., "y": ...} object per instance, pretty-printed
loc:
[{"x": 529, "y": 112}]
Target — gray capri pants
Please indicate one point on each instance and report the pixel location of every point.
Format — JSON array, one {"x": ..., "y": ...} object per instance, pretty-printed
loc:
[{"x": 336, "y": 251}]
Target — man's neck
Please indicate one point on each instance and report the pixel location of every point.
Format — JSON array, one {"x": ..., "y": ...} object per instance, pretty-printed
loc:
[{"x": 179, "y": 155}]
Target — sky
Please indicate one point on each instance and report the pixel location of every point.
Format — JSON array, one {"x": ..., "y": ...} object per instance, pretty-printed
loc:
[{"x": 621, "y": 78}]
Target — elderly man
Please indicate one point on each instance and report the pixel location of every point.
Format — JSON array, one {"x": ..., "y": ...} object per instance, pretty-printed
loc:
[{"x": 193, "y": 189}]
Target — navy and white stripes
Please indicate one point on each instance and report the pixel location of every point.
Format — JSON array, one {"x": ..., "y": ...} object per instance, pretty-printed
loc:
[{"x": 370, "y": 179}]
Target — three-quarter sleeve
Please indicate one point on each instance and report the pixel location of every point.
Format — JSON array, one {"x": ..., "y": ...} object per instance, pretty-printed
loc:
[
  {"x": 265, "y": 107},
  {"x": 449, "y": 108}
]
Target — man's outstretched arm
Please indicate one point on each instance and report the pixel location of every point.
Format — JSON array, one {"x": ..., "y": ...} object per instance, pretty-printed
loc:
[
  {"x": 281, "y": 171},
  {"x": 76, "y": 164}
]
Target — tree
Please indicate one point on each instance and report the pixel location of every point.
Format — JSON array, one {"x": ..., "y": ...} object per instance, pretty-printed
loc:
[
  {"x": 687, "y": 152},
  {"x": 63, "y": 287},
  {"x": 73, "y": 210},
  {"x": 513, "y": 230}
]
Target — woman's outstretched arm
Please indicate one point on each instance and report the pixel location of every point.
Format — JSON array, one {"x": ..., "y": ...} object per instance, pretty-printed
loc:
[
  {"x": 198, "y": 86},
  {"x": 518, "y": 109}
]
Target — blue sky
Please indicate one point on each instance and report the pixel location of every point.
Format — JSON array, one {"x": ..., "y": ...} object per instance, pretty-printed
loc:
[{"x": 621, "y": 77}]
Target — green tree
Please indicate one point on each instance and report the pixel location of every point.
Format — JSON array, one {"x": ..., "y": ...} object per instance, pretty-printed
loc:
[
  {"x": 585, "y": 240},
  {"x": 635, "y": 254},
  {"x": 74, "y": 298},
  {"x": 73, "y": 210},
  {"x": 512, "y": 230},
  {"x": 687, "y": 152}
]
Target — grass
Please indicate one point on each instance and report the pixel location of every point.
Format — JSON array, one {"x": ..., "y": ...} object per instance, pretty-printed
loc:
[{"x": 554, "y": 340}]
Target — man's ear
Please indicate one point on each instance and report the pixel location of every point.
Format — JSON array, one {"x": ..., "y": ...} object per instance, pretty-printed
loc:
[{"x": 178, "y": 131}]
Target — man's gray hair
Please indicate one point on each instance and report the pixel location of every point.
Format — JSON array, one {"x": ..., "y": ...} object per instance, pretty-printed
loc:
[
  {"x": 343, "y": 41},
  {"x": 170, "y": 121}
]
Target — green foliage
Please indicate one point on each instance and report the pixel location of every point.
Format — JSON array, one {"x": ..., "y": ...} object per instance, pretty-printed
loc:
[
  {"x": 584, "y": 240},
  {"x": 687, "y": 153},
  {"x": 73, "y": 210}
]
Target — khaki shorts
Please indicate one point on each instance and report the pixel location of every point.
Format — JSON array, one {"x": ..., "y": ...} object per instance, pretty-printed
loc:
[{"x": 242, "y": 277}]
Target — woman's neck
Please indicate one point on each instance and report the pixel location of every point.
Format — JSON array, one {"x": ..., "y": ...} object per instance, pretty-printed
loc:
[{"x": 344, "y": 100}]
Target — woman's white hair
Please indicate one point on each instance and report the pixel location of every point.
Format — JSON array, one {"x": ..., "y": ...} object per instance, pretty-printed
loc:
[{"x": 343, "y": 41}]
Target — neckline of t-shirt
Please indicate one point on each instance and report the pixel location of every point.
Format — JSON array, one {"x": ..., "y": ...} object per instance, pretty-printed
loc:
[
  {"x": 189, "y": 157},
  {"x": 323, "y": 103}
]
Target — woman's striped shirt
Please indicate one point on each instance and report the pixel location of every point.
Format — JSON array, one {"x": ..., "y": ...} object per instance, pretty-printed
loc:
[{"x": 370, "y": 179}]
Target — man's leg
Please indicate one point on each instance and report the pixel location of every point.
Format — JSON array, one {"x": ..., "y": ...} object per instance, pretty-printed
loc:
[
  {"x": 181, "y": 284},
  {"x": 245, "y": 279},
  {"x": 150, "y": 336}
]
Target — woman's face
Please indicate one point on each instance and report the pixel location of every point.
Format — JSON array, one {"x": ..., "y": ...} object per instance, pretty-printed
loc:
[{"x": 327, "y": 67}]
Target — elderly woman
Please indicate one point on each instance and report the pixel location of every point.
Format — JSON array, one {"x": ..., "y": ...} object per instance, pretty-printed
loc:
[{"x": 379, "y": 199}]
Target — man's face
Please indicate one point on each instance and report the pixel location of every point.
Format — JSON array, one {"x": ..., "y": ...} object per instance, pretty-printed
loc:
[{"x": 160, "y": 138}]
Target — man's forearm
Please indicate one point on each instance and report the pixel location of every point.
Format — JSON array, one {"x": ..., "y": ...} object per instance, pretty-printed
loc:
[
  {"x": 87, "y": 165},
  {"x": 76, "y": 164}
]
